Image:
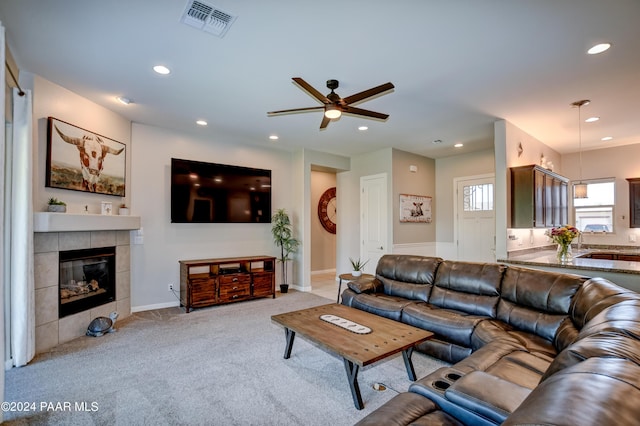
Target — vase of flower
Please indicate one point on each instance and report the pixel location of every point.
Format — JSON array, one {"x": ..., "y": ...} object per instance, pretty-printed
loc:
[
  {"x": 563, "y": 236},
  {"x": 564, "y": 253}
]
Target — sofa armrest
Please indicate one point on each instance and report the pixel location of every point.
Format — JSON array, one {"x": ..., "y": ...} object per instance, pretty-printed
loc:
[
  {"x": 365, "y": 285},
  {"x": 487, "y": 395}
]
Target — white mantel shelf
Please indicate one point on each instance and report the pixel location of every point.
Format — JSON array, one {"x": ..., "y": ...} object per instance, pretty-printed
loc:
[{"x": 64, "y": 222}]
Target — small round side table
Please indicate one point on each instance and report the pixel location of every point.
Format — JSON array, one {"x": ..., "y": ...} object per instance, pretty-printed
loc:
[{"x": 350, "y": 277}]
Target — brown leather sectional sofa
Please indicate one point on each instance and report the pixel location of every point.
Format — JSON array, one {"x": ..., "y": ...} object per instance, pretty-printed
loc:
[{"x": 525, "y": 346}]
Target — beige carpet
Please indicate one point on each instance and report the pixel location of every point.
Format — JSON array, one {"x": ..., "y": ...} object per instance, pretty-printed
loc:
[{"x": 216, "y": 366}]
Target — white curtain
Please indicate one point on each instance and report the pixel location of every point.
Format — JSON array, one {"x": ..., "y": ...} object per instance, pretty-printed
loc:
[
  {"x": 20, "y": 214},
  {"x": 2, "y": 233}
]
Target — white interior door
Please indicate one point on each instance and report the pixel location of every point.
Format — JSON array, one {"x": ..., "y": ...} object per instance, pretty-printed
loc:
[
  {"x": 374, "y": 237},
  {"x": 476, "y": 219}
]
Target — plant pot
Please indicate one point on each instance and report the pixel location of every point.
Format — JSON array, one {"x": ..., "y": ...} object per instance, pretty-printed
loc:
[
  {"x": 284, "y": 288},
  {"x": 57, "y": 208},
  {"x": 356, "y": 273},
  {"x": 123, "y": 211}
]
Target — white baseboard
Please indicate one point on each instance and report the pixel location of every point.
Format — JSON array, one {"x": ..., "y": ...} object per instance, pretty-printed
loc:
[{"x": 155, "y": 306}]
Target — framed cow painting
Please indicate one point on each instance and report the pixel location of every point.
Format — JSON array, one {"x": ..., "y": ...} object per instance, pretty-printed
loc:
[
  {"x": 81, "y": 160},
  {"x": 415, "y": 208}
]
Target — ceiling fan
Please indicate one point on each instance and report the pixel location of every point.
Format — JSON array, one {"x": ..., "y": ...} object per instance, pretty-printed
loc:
[{"x": 333, "y": 105}]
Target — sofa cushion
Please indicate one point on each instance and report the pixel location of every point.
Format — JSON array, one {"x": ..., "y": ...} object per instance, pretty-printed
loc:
[
  {"x": 598, "y": 391},
  {"x": 490, "y": 331},
  {"x": 623, "y": 317},
  {"x": 446, "y": 351},
  {"x": 409, "y": 408},
  {"x": 537, "y": 301},
  {"x": 407, "y": 276},
  {"x": 456, "y": 326},
  {"x": 468, "y": 287},
  {"x": 605, "y": 344},
  {"x": 380, "y": 304},
  {"x": 595, "y": 295},
  {"x": 487, "y": 395}
]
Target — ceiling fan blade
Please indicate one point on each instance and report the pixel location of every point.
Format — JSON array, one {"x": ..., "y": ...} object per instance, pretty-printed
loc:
[
  {"x": 295, "y": 110},
  {"x": 364, "y": 112},
  {"x": 359, "y": 97},
  {"x": 310, "y": 90},
  {"x": 325, "y": 122}
]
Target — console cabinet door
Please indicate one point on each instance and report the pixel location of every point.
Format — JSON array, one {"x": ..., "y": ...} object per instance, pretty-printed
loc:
[{"x": 203, "y": 291}]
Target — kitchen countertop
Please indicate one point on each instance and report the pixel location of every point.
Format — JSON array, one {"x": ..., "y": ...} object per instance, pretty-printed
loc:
[{"x": 548, "y": 258}]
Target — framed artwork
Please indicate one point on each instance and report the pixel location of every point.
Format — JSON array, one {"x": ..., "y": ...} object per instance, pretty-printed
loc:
[
  {"x": 80, "y": 160},
  {"x": 415, "y": 208}
]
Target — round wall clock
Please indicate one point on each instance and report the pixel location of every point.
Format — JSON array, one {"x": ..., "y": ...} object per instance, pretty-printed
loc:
[{"x": 327, "y": 210}]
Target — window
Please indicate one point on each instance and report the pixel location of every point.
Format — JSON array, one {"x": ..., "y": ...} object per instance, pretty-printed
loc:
[
  {"x": 478, "y": 197},
  {"x": 595, "y": 213}
]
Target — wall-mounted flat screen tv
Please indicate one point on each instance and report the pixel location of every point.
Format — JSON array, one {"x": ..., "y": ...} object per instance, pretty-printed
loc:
[{"x": 219, "y": 193}]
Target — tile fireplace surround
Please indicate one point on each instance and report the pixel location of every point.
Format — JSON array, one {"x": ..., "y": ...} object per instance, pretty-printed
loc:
[{"x": 49, "y": 239}]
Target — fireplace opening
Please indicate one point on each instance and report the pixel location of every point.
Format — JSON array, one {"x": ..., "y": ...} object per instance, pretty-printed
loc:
[{"x": 87, "y": 279}]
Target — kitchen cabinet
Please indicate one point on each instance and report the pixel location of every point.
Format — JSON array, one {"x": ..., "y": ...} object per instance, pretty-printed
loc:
[
  {"x": 539, "y": 198},
  {"x": 634, "y": 202}
]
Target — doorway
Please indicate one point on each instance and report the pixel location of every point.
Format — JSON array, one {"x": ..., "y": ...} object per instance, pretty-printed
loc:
[{"x": 475, "y": 224}]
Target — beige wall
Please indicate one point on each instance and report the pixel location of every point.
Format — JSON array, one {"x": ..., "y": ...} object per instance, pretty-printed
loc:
[
  {"x": 51, "y": 100},
  {"x": 323, "y": 243},
  {"x": 422, "y": 182}
]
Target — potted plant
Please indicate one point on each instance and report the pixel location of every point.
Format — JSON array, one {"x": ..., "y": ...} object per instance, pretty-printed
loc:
[
  {"x": 282, "y": 232},
  {"x": 357, "y": 266},
  {"x": 56, "y": 205}
]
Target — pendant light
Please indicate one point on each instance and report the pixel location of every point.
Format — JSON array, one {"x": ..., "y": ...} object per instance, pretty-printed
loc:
[{"x": 580, "y": 188}]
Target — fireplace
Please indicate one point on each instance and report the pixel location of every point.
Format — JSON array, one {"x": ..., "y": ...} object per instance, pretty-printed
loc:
[{"x": 87, "y": 279}]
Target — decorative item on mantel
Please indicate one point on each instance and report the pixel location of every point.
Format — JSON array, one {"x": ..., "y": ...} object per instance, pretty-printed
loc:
[
  {"x": 123, "y": 210},
  {"x": 563, "y": 236},
  {"x": 56, "y": 206}
]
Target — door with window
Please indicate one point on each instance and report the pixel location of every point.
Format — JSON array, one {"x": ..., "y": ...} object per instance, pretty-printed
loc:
[{"x": 476, "y": 219}]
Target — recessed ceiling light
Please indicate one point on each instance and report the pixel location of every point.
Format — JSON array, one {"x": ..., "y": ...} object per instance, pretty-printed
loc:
[
  {"x": 591, "y": 119},
  {"x": 201, "y": 123},
  {"x": 363, "y": 128},
  {"x": 599, "y": 48},
  {"x": 607, "y": 138},
  {"x": 458, "y": 145},
  {"x": 274, "y": 137},
  {"x": 123, "y": 100},
  {"x": 161, "y": 69}
]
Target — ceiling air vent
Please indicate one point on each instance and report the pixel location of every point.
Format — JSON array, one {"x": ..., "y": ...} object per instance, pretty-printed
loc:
[{"x": 207, "y": 18}]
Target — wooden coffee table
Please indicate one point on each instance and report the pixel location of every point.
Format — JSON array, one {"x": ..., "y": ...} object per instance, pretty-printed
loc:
[{"x": 386, "y": 338}]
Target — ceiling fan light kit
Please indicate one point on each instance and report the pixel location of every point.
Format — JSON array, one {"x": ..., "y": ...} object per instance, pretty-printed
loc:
[{"x": 334, "y": 106}]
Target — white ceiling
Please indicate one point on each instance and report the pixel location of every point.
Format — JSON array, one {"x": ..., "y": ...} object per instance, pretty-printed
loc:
[{"x": 457, "y": 66}]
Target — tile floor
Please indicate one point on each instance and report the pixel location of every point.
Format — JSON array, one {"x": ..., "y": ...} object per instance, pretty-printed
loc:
[{"x": 325, "y": 284}]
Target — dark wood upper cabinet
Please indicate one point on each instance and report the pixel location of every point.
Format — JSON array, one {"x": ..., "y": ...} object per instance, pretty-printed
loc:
[
  {"x": 538, "y": 198},
  {"x": 634, "y": 202}
]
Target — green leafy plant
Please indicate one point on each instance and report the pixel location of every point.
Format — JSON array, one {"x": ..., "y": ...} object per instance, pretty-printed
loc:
[
  {"x": 55, "y": 202},
  {"x": 357, "y": 264},
  {"x": 282, "y": 231}
]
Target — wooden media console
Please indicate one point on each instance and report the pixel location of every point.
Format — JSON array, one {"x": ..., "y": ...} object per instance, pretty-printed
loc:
[{"x": 207, "y": 282}]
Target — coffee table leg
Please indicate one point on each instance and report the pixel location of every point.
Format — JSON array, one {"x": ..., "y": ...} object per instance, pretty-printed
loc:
[
  {"x": 406, "y": 355},
  {"x": 352, "y": 375},
  {"x": 290, "y": 335}
]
